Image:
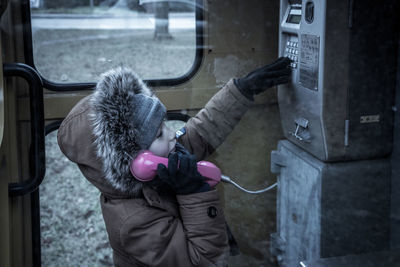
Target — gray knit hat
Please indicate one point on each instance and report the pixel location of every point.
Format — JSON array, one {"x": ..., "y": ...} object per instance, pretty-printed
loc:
[
  {"x": 147, "y": 115},
  {"x": 126, "y": 116}
]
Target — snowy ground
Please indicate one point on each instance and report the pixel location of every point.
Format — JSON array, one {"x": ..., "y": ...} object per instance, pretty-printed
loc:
[
  {"x": 72, "y": 227},
  {"x": 78, "y": 55}
]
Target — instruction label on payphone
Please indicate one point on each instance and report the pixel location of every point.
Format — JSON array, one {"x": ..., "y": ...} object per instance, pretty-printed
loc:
[{"x": 309, "y": 57}]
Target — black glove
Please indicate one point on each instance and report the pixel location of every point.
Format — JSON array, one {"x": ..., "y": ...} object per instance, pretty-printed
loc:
[
  {"x": 184, "y": 179},
  {"x": 262, "y": 78}
]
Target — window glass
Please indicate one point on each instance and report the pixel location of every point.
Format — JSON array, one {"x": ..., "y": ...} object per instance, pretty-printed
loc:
[
  {"x": 175, "y": 125},
  {"x": 72, "y": 228},
  {"x": 75, "y": 41}
]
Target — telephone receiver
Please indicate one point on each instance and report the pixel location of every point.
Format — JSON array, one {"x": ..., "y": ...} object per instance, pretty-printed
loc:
[{"x": 144, "y": 168}]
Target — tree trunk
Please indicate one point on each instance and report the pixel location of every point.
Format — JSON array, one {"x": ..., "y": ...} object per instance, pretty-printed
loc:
[{"x": 161, "y": 15}]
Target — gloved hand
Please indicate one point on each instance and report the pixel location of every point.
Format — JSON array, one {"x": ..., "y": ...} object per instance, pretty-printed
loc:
[
  {"x": 262, "y": 78},
  {"x": 183, "y": 179}
]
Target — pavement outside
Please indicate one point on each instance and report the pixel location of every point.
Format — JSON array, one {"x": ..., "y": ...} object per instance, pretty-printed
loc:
[
  {"x": 76, "y": 55},
  {"x": 72, "y": 227}
]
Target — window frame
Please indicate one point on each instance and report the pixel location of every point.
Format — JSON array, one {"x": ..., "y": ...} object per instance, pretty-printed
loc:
[{"x": 80, "y": 86}]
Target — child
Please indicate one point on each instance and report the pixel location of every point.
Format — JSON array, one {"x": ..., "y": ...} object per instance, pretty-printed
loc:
[{"x": 176, "y": 219}]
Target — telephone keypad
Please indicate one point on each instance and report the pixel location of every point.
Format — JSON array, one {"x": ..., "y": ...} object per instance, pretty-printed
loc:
[{"x": 292, "y": 52}]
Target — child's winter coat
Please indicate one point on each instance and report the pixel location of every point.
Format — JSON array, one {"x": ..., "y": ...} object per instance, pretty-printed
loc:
[{"x": 156, "y": 229}]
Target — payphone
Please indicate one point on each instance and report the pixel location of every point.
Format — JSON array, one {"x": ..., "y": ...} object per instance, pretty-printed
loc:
[
  {"x": 337, "y": 114},
  {"x": 328, "y": 209},
  {"x": 338, "y": 106}
]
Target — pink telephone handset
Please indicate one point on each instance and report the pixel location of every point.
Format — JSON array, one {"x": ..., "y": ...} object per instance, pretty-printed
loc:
[{"x": 144, "y": 168}]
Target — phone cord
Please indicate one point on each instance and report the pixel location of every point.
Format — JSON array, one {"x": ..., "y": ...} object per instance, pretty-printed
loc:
[{"x": 226, "y": 179}]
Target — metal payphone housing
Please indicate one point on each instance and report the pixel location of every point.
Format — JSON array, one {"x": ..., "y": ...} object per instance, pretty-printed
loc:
[
  {"x": 329, "y": 209},
  {"x": 338, "y": 106}
]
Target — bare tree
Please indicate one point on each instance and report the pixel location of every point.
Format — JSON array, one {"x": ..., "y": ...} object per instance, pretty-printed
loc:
[{"x": 161, "y": 15}]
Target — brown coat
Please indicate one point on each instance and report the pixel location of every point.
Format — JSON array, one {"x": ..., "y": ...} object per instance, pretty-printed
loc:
[{"x": 159, "y": 230}]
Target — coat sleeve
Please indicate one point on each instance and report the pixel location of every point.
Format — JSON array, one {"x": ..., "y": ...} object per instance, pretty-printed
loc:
[
  {"x": 157, "y": 238},
  {"x": 209, "y": 128}
]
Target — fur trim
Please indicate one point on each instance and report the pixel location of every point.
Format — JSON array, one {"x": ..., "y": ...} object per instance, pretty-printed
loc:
[{"x": 116, "y": 139}]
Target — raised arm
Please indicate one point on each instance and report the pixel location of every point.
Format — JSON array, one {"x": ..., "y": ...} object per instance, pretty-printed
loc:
[{"x": 209, "y": 128}]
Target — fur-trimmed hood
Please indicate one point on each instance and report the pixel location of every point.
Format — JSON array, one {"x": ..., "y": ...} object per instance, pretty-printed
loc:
[{"x": 126, "y": 116}]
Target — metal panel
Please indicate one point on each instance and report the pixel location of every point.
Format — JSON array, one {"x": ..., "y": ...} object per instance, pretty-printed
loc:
[
  {"x": 330, "y": 209},
  {"x": 4, "y": 200}
]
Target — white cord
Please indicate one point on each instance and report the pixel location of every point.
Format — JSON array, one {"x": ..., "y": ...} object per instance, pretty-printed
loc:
[{"x": 226, "y": 179}]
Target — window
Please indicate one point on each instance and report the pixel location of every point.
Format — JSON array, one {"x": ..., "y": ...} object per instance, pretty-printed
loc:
[
  {"x": 76, "y": 41},
  {"x": 72, "y": 228}
]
